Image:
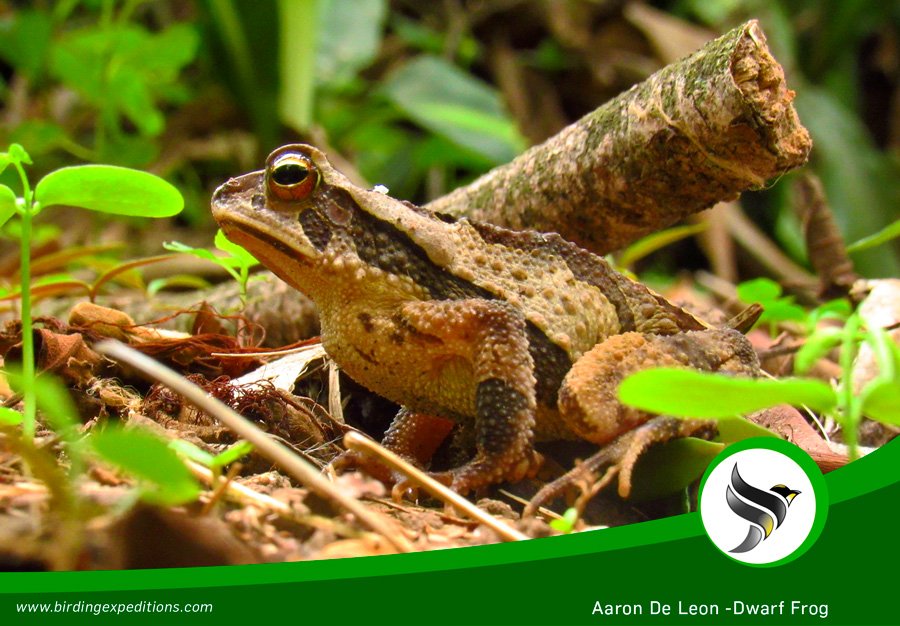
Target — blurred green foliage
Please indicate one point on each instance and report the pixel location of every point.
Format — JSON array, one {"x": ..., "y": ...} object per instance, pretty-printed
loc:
[{"x": 405, "y": 91}]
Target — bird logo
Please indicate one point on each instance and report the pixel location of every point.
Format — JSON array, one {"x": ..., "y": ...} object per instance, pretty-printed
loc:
[{"x": 765, "y": 510}]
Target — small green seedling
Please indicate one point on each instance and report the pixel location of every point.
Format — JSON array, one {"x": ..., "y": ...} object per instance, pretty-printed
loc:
[
  {"x": 162, "y": 476},
  {"x": 236, "y": 260},
  {"x": 566, "y": 523},
  {"x": 776, "y": 307},
  {"x": 215, "y": 463},
  {"x": 104, "y": 188}
]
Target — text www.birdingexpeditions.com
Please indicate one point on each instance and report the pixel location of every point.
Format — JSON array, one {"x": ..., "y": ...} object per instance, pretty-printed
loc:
[{"x": 113, "y": 608}]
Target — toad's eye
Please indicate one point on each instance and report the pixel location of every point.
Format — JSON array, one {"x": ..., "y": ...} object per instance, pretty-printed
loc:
[{"x": 291, "y": 176}]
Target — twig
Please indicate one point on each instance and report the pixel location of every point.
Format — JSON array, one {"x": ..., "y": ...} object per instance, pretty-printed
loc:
[
  {"x": 355, "y": 441},
  {"x": 239, "y": 492},
  {"x": 695, "y": 133},
  {"x": 265, "y": 445}
]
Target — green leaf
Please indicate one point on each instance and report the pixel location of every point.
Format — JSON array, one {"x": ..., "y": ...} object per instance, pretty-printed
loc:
[
  {"x": 688, "y": 393},
  {"x": 7, "y": 204},
  {"x": 449, "y": 102},
  {"x": 891, "y": 231},
  {"x": 565, "y": 524},
  {"x": 18, "y": 154},
  {"x": 817, "y": 345},
  {"x": 782, "y": 310},
  {"x": 349, "y": 37},
  {"x": 297, "y": 22},
  {"x": 126, "y": 69},
  {"x": 238, "y": 253},
  {"x": 165, "y": 479},
  {"x": 10, "y": 417},
  {"x": 880, "y": 398},
  {"x": 110, "y": 189},
  {"x": 192, "y": 452},
  {"x": 202, "y": 253},
  {"x": 651, "y": 243},
  {"x": 777, "y": 308},
  {"x": 232, "y": 453},
  {"x": 55, "y": 402},
  {"x": 732, "y": 429},
  {"x": 25, "y": 41},
  {"x": 758, "y": 290},
  {"x": 881, "y": 401},
  {"x": 839, "y": 309},
  {"x": 136, "y": 101},
  {"x": 670, "y": 467},
  {"x": 178, "y": 281}
]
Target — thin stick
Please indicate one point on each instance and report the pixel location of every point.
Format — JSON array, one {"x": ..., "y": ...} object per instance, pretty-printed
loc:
[
  {"x": 241, "y": 493},
  {"x": 282, "y": 456},
  {"x": 355, "y": 441}
]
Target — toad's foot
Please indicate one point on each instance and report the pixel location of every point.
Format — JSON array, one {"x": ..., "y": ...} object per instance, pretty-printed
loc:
[{"x": 618, "y": 458}]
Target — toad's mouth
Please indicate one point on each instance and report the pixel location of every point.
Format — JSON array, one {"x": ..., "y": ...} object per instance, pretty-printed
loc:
[{"x": 275, "y": 253}]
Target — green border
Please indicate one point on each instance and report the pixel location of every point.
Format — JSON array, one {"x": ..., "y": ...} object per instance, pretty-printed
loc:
[
  {"x": 871, "y": 473},
  {"x": 809, "y": 467}
]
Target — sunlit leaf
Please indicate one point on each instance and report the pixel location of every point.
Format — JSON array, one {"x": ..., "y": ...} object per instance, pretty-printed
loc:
[
  {"x": 880, "y": 398},
  {"x": 758, "y": 290},
  {"x": 25, "y": 41},
  {"x": 651, "y": 243},
  {"x": 297, "y": 23},
  {"x": 349, "y": 34},
  {"x": 178, "y": 281},
  {"x": 565, "y": 524},
  {"x": 7, "y": 204},
  {"x": 732, "y": 429},
  {"x": 447, "y": 101},
  {"x": 839, "y": 309},
  {"x": 53, "y": 400},
  {"x": 881, "y": 401},
  {"x": 891, "y": 231},
  {"x": 817, "y": 345},
  {"x": 10, "y": 417},
  {"x": 165, "y": 479},
  {"x": 110, "y": 189},
  {"x": 688, "y": 393},
  {"x": 668, "y": 468},
  {"x": 17, "y": 153},
  {"x": 192, "y": 452},
  {"x": 239, "y": 253},
  {"x": 232, "y": 453}
]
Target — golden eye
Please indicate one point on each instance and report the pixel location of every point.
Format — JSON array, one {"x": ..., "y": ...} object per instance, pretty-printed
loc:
[{"x": 291, "y": 175}]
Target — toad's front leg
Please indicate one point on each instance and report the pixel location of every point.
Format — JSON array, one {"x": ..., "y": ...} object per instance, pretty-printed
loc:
[{"x": 491, "y": 337}]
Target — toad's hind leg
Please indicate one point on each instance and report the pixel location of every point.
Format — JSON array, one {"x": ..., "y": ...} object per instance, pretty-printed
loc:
[{"x": 589, "y": 406}]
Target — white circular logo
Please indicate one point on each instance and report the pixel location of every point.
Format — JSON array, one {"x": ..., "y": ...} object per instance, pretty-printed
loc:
[{"x": 758, "y": 505}]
